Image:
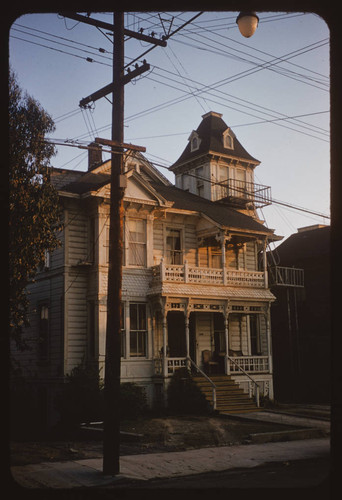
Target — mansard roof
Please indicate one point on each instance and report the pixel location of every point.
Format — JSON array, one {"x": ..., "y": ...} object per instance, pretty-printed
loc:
[{"x": 211, "y": 131}]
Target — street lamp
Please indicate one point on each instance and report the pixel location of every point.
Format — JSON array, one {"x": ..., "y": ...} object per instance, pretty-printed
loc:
[{"x": 247, "y": 23}]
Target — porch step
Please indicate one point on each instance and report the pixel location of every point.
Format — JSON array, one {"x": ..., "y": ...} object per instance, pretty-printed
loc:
[{"x": 230, "y": 398}]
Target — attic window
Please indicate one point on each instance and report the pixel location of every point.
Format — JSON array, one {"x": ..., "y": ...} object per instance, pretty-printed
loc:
[
  {"x": 228, "y": 141},
  {"x": 195, "y": 141}
]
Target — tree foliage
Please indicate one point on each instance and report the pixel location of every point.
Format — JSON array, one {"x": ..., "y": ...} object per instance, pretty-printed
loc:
[{"x": 34, "y": 216}]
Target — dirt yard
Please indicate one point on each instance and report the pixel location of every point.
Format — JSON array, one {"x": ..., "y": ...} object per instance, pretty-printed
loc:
[{"x": 145, "y": 435}]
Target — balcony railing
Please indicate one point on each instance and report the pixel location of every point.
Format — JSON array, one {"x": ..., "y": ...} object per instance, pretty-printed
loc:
[
  {"x": 242, "y": 192},
  {"x": 206, "y": 275},
  {"x": 286, "y": 276}
]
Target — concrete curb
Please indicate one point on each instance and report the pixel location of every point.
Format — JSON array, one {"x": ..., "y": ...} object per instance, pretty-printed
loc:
[{"x": 290, "y": 435}]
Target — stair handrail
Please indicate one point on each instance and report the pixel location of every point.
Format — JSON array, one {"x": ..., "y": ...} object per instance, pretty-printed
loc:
[
  {"x": 257, "y": 387},
  {"x": 207, "y": 378}
]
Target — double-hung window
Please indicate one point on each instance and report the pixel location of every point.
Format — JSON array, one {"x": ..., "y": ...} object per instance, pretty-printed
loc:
[
  {"x": 174, "y": 254},
  {"x": 138, "y": 330},
  {"x": 136, "y": 235}
]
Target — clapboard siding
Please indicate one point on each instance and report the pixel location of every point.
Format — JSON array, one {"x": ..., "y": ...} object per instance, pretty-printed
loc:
[
  {"x": 77, "y": 240},
  {"x": 250, "y": 256},
  {"x": 76, "y": 318},
  {"x": 190, "y": 241}
]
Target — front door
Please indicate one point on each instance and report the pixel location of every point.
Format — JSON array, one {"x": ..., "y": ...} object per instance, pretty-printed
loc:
[{"x": 176, "y": 334}]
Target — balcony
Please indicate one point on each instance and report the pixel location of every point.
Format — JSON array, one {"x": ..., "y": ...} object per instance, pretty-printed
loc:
[
  {"x": 240, "y": 193},
  {"x": 286, "y": 276},
  {"x": 206, "y": 275}
]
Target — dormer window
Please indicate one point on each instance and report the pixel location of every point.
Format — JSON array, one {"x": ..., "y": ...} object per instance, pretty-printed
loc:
[
  {"x": 195, "y": 141},
  {"x": 228, "y": 140}
]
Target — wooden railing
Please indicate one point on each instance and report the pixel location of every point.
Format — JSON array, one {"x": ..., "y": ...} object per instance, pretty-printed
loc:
[
  {"x": 255, "y": 364},
  {"x": 205, "y": 275},
  {"x": 172, "y": 365},
  {"x": 213, "y": 386},
  {"x": 256, "y": 385}
]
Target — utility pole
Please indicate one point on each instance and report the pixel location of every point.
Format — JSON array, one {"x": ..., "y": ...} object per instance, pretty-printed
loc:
[{"x": 111, "y": 430}]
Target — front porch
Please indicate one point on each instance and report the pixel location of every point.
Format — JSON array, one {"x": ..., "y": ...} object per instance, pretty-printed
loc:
[{"x": 217, "y": 337}]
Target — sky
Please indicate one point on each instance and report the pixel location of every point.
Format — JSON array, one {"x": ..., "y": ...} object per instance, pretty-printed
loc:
[{"x": 272, "y": 89}]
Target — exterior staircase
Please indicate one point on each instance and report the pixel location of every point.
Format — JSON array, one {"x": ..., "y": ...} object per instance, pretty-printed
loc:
[{"x": 230, "y": 398}]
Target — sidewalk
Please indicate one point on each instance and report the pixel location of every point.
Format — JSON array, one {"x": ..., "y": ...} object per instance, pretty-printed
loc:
[
  {"x": 279, "y": 448},
  {"x": 88, "y": 473}
]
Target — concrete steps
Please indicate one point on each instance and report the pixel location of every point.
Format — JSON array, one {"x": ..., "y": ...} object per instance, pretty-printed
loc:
[{"x": 229, "y": 397}]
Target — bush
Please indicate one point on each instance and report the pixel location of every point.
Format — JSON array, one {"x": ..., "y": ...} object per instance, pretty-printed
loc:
[
  {"x": 133, "y": 400},
  {"x": 184, "y": 396},
  {"x": 81, "y": 398}
]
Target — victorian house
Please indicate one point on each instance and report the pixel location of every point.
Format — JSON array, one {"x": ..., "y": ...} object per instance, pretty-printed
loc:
[{"x": 195, "y": 289}]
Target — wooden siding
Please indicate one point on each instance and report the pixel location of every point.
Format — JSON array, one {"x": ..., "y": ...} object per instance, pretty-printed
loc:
[
  {"x": 75, "y": 318},
  {"x": 77, "y": 249}
]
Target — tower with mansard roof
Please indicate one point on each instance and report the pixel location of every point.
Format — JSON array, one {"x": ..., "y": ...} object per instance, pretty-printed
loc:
[{"x": 215, "y": 166}]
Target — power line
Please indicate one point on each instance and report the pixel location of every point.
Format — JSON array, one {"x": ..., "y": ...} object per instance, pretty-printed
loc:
[
  {"x": 212, "y": 182},
  {"x": 209, "y": 87},
  {"x": 88, "y": 59}
]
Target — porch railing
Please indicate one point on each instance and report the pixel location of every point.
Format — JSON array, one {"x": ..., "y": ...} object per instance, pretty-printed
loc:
[
  {"x": 213, "y": 386},
  {"x": 253, "y": 364},
  {"x": 256, "y": 385},
  {"x": 205, "y": 275},
  {"x": 174, "y": 363}
]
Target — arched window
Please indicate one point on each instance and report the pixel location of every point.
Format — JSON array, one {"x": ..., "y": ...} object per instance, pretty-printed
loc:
[{"x": 228, "y": 141}]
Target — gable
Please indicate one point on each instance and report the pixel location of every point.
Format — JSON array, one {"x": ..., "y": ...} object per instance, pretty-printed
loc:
[{"x": 137, "y": 191}]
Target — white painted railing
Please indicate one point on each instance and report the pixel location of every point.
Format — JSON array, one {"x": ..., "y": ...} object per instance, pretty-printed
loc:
[
  {"x": 206, "y": 275},
  {"x": 251, "y": 380},
  {"x": 174, "y": 364},
  {"x": 249, "y": 364}
]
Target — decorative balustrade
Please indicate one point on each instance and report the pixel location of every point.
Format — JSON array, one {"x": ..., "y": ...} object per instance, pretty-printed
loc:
[
  {"x": 174, "y": 364},
  {"x": 206, "y": 275},
  {"x": 253, "y": 364}
]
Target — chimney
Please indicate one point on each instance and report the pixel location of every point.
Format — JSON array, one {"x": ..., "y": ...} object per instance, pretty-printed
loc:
[{"x": 94, "y": 155}]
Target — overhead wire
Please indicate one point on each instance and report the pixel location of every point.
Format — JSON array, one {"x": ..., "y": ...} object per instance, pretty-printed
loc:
[
  {"x": 213, "y": 182},
  {"x": 275, "y": 119},
  {"x": 238, "y": 42}
]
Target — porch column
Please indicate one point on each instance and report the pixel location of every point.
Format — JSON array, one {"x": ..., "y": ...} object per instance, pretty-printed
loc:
[
  {"x": 187, "y": 337},
  {"x": 269, "y": 340},
  {"x": 165, "y": 343},
  {"x": 226, "y": 336},
  {"x": 223, "y": 256}
]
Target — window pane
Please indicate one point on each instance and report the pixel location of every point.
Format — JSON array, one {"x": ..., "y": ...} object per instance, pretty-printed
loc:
[
  {"x": 136, "y": 242},
  {"x": 133, "y": 312},
  {"x": 142, "y": 343},
  {"x": 133, "y": 344},
  {"x": 142, "y": 316}
]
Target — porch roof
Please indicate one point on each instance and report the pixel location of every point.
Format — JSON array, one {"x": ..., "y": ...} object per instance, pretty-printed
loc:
[{"x": 211, "y": 291}]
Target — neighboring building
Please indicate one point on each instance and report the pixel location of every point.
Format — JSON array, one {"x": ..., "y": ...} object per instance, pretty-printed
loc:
[
  {"x": 194, "y": 272},
  {"x": 301, "y": 327}
]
